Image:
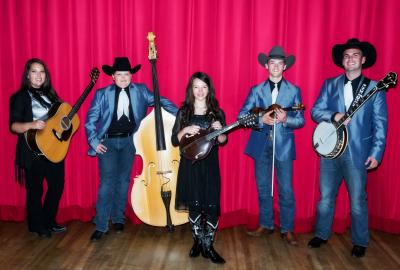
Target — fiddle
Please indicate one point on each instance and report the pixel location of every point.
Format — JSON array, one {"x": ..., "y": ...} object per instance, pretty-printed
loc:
[{"x": 261, "y": 111}]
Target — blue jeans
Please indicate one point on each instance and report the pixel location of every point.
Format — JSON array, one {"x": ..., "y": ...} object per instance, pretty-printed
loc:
[
  {"x": 115, "y": 167},
  {"x": 284, "y": 172},
  {"x": 332, "y": 173}
]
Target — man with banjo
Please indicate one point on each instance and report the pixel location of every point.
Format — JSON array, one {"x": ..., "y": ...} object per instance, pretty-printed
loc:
[
  {"x": 276, "y": 129},
  {"x": 359, "y": 141}
]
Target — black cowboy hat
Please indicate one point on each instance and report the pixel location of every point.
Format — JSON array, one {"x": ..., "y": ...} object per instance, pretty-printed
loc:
[
  {"x": 120, "y": 64},
  {"x": 276, "y": 53},
  {"x": 368, "y": 50}
]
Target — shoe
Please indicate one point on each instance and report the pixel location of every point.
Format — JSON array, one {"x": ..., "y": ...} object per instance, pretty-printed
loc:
[
  {"x": 316, "y": 242},
  {"x": 97, "y": 235},
  {"x": 358, "y": 251},
  {"x": 42, "y": 233},
  {"x": 259, "y": 231},
  {"x": 290, "y": 238},
  {"x": 118, "y": 227},
  {"x": 57, "y": 228}
]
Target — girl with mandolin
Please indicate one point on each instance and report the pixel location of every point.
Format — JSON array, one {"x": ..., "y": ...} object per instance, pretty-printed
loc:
[
  {"x": 29, "y": 108},
  {"x": 198, "y": 185}
]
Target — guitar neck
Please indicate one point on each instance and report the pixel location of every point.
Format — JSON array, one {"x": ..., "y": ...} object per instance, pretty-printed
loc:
[
  {"x": 81, "y": 99},
  {"x": 221, "y": 131}
]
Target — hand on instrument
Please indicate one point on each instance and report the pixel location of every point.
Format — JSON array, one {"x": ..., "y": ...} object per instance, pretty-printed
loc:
[
  {"x": 371, "y": 163},
  {"x": 216, "y": 125},
  {"x": 281, "y": 115},
  {"x": 38, "y": 124},
  {"x": 101, "y": 149},
  {"x": 268, "y": 119},
  {"x": 339, "y": 116},
  {"x": 192, "y": 130}
]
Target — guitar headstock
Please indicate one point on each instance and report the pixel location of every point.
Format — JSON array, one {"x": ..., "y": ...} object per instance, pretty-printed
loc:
[
  {"x": 249, "y": 119},
  {"x": 390, "y": 80},
  {"x": 94, "y": 74},
  {"x": 299, "y": 107},
  {"x": 152, "y": 47}
]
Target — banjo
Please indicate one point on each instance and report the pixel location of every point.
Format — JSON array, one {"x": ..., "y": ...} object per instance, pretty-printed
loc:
[{"x": 330, "y": 139}]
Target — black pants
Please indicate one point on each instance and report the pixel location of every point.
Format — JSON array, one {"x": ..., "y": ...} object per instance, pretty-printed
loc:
[{"x": 42, "y": 216}]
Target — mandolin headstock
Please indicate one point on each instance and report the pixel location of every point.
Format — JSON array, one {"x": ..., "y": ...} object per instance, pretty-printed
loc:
[{"x": 249, "y": 119}]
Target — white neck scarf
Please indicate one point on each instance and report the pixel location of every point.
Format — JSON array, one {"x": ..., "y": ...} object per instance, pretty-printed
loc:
[{"x": 123, "y": 104}]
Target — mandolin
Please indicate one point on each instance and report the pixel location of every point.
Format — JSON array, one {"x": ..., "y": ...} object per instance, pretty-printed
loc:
[
  {"x": 198, "y": 146},
  {"x": 53, "y": 141}
]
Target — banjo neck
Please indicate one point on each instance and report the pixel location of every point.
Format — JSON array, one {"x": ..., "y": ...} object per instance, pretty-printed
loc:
[{"x": 384, "y": 84}]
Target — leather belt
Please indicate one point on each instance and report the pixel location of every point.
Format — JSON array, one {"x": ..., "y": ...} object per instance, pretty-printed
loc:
[{"x": 118, "y": 135}]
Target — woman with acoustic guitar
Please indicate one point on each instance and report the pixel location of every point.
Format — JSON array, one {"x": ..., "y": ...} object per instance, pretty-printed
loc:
[
  {"x": 198, "y": 184},
  {"x": 29, "y": 108}
]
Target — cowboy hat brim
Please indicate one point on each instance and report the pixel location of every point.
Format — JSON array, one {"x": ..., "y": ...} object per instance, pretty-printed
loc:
[
  {"x": 109, "y": 70},
  {"x": 263, "y": 59},
  {"x": 367, "y": 49}
]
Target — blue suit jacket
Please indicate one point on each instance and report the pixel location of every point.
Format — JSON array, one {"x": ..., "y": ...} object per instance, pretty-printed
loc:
[
  {"x": 101, "y": 111},
  {"x": 260, "y": 96},
  {"x": 366, "y": 130}
]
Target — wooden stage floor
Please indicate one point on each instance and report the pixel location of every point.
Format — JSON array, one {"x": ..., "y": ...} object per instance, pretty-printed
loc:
[{"x": 146, "y": 247}]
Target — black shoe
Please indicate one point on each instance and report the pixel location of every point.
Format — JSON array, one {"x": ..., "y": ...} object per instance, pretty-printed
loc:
[
  {"x": 118, "y": 227},
  {"x": 57, "y": 228},
  {"x": 316, "y": 242},
  {"x": 358, "y": 251},
  {"x": 43, "y": 233},
  {"x": 97, "y": 235}
]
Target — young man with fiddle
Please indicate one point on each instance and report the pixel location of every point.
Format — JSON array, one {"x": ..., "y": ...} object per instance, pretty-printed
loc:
[{"x": 276, "y": 128}]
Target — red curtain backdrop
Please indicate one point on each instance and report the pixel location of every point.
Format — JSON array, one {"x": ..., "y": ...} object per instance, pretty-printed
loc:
[{"x": 223, "y": 39}]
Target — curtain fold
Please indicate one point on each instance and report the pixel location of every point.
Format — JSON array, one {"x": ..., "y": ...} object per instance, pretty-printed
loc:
[{"x": 223, "y": 39}]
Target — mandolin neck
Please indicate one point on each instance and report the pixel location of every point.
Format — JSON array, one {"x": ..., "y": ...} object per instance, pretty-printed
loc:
[{"x": 221, "y": 131}]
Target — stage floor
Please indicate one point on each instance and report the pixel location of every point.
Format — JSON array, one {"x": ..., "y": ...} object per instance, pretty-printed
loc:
[{"x": 146, "y": 247}]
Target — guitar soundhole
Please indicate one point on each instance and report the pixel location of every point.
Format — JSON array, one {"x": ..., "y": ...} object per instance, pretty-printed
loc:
[{"x": 65, "y": 123}]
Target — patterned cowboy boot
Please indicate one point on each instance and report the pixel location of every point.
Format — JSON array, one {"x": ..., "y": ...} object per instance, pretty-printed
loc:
[
  {"x": 197, "y": 233},
  {"x": 208, "y": 241}
]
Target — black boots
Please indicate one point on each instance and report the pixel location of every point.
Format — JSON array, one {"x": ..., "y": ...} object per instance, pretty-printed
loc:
[
  {"x": 203, "y": 233},
  {"x": 208, "y": 241},
  {"x": 197, "y": 233}
]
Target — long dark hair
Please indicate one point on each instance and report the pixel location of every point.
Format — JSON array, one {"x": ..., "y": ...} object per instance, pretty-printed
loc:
[
  {"x": 211, "y": 101},
  {"x": 46, "y": 88}
]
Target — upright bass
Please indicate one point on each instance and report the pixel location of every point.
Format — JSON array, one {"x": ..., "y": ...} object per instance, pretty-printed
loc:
[{"x": 153, "y": 193}]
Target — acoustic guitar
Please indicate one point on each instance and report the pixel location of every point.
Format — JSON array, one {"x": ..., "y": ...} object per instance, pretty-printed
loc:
[
  {"x": 330, "y": 139},
  {"x": 62, "y": 122}
]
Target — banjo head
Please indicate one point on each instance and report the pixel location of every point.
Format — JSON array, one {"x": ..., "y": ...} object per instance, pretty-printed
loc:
[{"x": 328, "y": 141}]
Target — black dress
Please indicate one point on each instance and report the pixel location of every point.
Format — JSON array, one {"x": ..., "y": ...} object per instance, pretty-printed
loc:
[{"x": 199, "y": 183}]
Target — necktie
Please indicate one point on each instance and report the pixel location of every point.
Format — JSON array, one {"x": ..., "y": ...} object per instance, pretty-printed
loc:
[
  {"x": 348, "y": 94},
  {"x": 274, "y": 93},
  {"x": 123, "y": 104}
]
